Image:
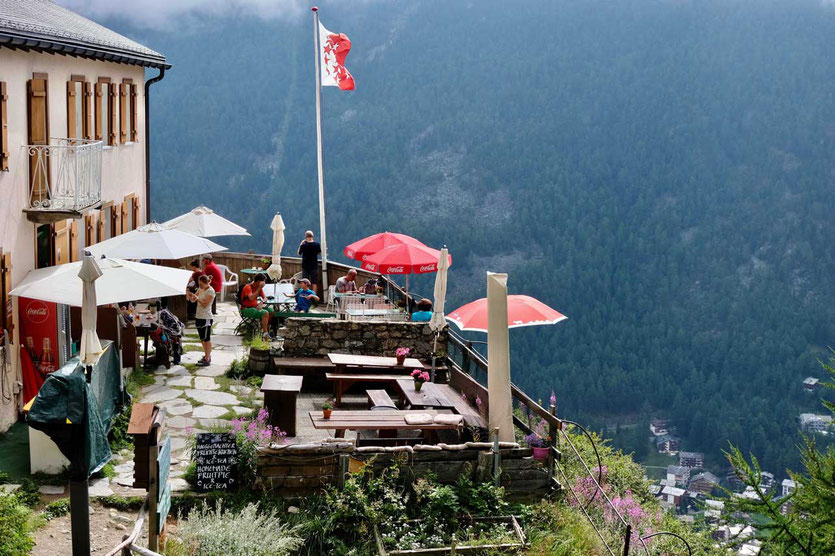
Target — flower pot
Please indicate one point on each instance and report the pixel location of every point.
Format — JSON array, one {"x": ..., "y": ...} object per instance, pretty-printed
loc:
[
  {"x": 540, "y": 453},
  {"x": 401, "y": 360},
  {"x": 326, "y": 413},
  {"x": 417, "y": 386}
]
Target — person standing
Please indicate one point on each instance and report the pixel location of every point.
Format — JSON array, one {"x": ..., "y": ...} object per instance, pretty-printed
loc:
[
  {"x": 203, "y": 317},
  {"x": 310, "y": 251},
  {"x": 196, "y": 273},
  {"x": 211, "y": 270}
]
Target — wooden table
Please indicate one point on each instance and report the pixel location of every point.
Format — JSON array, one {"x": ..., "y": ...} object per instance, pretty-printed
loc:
[
  {"x": 430, "y": 395},
  {"x": 343, "y": 381},
  {"x": 280, "y": 394},
  {"x": 346, "y": 361},
  {"x": 394, "y": 420}
]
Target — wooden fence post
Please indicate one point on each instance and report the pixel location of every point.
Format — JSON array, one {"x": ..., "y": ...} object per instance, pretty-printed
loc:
[
  {"x": 553, "y": 433},
  {"x": 496, "y": 458}
]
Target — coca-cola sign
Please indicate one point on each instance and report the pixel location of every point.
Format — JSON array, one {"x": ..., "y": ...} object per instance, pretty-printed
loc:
[
  {"x": 36, "y": 312},
  {"x": 370, "y": 266},
  {"x": 395, "y": 269},
  {"x": 427, "y": 268}
]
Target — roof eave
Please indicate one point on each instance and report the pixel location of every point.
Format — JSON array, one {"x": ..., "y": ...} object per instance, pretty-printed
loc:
[{"x": 28, "y": 41}]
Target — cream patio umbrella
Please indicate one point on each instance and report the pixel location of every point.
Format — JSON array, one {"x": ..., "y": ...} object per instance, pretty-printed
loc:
[
  {"x": 119, "y": 281},
  {"x": 498, "y": 357},
  {"x": 438, "y": 322},
  {"x": 277, "y": 226},
  {"x": 154, "y": 241},
  {"x": 90, "y": 346},
  {"x": 204, "y": 222}
]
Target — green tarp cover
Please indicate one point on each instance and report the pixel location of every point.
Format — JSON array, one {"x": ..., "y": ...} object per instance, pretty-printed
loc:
[{"x": 65, "y": 395}]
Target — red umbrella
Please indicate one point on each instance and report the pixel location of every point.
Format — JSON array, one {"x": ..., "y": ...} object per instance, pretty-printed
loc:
[
  {"x": 406, "y": 258},
  {"x": 522, "y": 310},
  {"x": 361, "y": 249}
]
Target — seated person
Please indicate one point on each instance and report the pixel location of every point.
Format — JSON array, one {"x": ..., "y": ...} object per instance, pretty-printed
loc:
[
  {"x": 424, "y": 311},
  {"x": 304, "y": 296},
  {"x": 252, "y": 307},
  {"x": 347, "y": 284}
]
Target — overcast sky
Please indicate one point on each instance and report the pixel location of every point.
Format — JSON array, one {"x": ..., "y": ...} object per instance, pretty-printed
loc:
[{"x": 161, "y": 14}]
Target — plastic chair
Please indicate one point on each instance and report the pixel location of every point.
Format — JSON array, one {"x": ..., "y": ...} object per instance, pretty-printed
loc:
[
  {"x": 331, "y": 305},
  {"x": 231, "y": 281}
]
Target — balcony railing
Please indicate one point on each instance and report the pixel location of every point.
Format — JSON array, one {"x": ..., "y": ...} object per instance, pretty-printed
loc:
[{"x": 64, "y": 175}]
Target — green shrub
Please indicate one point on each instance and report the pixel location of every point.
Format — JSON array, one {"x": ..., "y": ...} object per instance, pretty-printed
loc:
[
  {"x": 14, "y": 527},
  {"x": 5, "y": 478},
  {"x": 239, "y": 368},
  {"x": 118, "y": 436},
  {"x": 132, "y": 503},
  {"x": 248, "y": 532},
  {"x": 28, "y": 493},
  {"x": 57, "y": 508}
]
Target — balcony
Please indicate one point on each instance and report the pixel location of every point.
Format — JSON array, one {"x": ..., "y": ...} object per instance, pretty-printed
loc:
[{"x": 64, "y": 179}]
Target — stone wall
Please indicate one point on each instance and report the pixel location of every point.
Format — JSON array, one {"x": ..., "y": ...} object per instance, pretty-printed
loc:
[{"x": 307, "y": 337}]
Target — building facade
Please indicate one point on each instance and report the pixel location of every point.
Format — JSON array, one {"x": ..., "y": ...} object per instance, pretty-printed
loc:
[{"x": 72, "y": 149}]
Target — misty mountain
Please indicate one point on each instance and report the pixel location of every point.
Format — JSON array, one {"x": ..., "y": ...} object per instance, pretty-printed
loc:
[{"x": 662, "y": 172}]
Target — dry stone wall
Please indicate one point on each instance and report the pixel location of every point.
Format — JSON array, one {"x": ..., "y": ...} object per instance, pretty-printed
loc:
[{"x": 306, "y": 337}]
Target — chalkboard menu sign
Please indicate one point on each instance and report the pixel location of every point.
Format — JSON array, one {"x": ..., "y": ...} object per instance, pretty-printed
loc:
[{"x": 216, "y": 455}]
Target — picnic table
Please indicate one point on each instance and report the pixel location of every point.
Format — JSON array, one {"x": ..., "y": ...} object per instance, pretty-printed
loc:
[
  {"x": 439, "y": 396},
  {"x": 343, "y": 381},
  {"x": 347, "y": 361},
  {"x": 394, "y": 420}
]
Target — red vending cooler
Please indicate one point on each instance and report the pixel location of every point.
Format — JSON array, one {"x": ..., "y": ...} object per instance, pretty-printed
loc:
[{"x": 44, "y": 335}]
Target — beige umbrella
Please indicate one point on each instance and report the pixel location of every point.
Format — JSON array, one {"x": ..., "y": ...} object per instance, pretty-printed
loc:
[
  {"x": 498, "y": 356},
  {"x": 90, "y": 346},
  {"x": 154, "y": 241},
  {"x": 204, "y": 222},
  {"x": 277, "y": 226}
]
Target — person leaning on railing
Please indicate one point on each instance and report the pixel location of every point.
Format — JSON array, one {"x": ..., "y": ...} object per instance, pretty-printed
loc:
[
  {"x": 424, "y": 311},
  {"x": 252, "y": 307}
]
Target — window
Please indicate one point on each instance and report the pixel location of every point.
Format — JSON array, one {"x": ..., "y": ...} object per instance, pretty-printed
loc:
[
  {"x": 4, "y": 129},
  {"x": 77, "y": 108},
  {"x": 44, "y": 252},
  {"x": 107, "y": 99}
]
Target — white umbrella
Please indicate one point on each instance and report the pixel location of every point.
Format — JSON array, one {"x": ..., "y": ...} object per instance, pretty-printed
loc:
[
  {"x": 438, "y": 322},
  {"x": 204, "y": 222},
  {"x": 119, "y": 281},
  {"x": 277, "y": 226},
  {"x": 154, "y": 241},
  {"x": 498, "y": 357},
  {"x": 90, "y": 345}
]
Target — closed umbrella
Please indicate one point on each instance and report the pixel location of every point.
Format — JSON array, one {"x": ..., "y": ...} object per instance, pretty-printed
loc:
[
  {"x": 498, "y": 358},
  {"x": 90, "y": 346},
  {"x": 361, "y": 249},
  {"x": 154, "y": 241},
  {"x": 437, "y": 322},
  {"x": 119, "y": 281},
  {"x": 277, "y": 226},
  {"x": 204, "y": 222}
]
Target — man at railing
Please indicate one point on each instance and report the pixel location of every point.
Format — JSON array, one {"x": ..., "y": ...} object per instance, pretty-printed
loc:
[{"x": 310, "y": 251}]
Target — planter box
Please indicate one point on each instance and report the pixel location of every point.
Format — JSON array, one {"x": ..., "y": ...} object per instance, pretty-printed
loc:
[{"x": 507, "y": 547}]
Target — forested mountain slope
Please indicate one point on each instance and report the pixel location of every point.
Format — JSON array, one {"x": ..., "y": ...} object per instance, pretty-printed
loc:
[{"x": 663, "y": 172}]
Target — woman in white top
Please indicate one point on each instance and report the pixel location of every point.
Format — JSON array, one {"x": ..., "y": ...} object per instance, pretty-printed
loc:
[{"x": 203, "y": 317}]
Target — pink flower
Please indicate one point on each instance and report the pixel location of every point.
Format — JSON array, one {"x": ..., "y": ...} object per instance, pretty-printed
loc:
[
  {"x": 478, "y": 400},
  {"x": 263, "y": 415},
  {"x": 553, "y": 398}
]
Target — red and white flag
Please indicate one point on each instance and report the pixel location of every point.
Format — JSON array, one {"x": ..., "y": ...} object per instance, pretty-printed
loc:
[{"x": 333, "y": 48}]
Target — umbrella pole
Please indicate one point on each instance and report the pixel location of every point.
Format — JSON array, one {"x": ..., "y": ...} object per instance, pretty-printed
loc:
[
  {"x": 80, "y": 517},
  {"x": 434, "y": 351}
]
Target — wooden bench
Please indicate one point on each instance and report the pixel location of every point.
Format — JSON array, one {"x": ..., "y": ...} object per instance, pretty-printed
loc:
[
  {"x": 342, "y": 382},
  {"x": 472, "y": 418},
  {"x": 313, "y": 370},
  {"x": 379, "y": 398},
  {"x": 392, "y": 421}
]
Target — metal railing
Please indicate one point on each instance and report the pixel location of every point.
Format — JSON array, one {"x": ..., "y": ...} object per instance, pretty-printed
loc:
[
  {"x": 64, "y": 175},
  {"x": 461, "y": 355}
]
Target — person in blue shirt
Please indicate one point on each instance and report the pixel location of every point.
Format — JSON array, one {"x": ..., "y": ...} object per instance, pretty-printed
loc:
[
  {"x": 424, "y": 311},
  {"x": 304, "y": 297}
]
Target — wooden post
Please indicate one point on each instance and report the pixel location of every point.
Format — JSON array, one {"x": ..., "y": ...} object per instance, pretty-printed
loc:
[
  {"x": 496, "y": 458},
  {"x": 552, "y": 433},
  {"x": 626, "y": 539},
  {"x": 153, "y": 492},
  {"x": 343, "y": 471}
]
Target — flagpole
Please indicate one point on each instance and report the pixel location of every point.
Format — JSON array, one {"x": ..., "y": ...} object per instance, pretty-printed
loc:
[{"x": 322, "y": 232}]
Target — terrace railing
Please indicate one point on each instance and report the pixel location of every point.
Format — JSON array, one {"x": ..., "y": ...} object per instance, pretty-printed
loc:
[
  {"x": 463, "y": 358},
  {"x": 64, "y": 175}
]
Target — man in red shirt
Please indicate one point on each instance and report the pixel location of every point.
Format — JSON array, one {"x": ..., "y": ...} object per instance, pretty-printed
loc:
[
  {"x": 211, "y": 270},
  {"x": 251, "y": 307}
]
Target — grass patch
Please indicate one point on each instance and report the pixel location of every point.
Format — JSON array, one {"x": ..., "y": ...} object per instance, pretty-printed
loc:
[
  {"x": 138, "y": 379},
  {"x": 15, "y": 526},
  {"x": 121, "y": 503},
  {"x": 192, "y": 347},
  {"x": 57, "y": 508}
]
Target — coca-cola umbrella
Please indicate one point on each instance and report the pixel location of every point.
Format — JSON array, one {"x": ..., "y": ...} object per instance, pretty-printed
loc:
[
  {"x": 522, "y": 310},
  {"x": 361, "y": 249},
  {"x": 406, "y": 258}
]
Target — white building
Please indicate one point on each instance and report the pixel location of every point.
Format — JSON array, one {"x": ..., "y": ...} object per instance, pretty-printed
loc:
[
  {"x": 788, "y": 487},
  {"x": 73, "y": 142},
  {"x": 813, "y": 423}
]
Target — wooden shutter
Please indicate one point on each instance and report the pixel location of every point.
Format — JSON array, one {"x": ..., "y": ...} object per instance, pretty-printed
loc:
[
  {"x": 115, "y": 220},
  {"x": 113, "y": 119},
  {"x": 100, "y": 102},
  {"x": 123, "y": 212},
  {"x": 90, "y": 235},
  {"x": 134, "y": 127},
  {"x": 71, "y": 115},
  {"x": 61, "y": 242},
  {"x": 4, "y": 129},
  {"x": 135, "y": 208},
  {"x": 123, "y": 113},
  {"x": 75, "y": 255},
  {"x": 89, "y": 128},
  {"x": 6, "y": 288},
  {"x": 38, "y": 135},
  {"x": 102, "y": 216}
]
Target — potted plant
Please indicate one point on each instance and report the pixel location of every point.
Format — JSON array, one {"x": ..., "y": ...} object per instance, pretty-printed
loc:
[
  {"x": 539, "y": 445},
  {"x": 419, "y": 377},
  {"x": 265, "y": 263},
  {"x": 327, "y": 407},
  {"x": 402, "y": 353}
]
